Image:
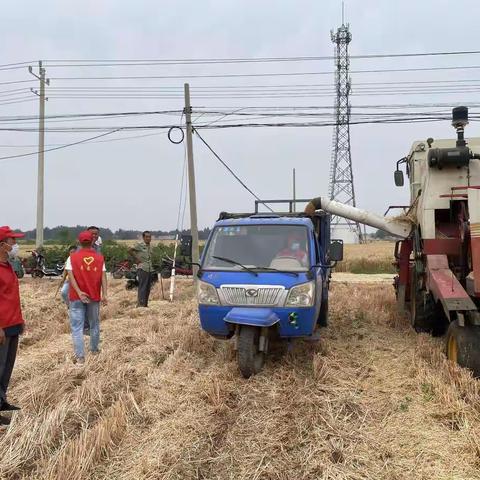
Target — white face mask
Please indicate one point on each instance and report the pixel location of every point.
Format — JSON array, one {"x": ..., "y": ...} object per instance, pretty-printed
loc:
[
  {"x": 13, "y": 253},
  {"x": 295, "y": 246}
]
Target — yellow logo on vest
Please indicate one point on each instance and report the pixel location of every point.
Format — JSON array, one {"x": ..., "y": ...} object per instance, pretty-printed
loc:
[{"x": 88, "y": 261}]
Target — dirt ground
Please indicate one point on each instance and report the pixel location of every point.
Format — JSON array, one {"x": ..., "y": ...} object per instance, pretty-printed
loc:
[{"x": 371, "y": 400}]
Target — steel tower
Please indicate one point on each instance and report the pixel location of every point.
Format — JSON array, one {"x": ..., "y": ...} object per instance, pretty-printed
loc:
[{"x": 341, "y": 173}]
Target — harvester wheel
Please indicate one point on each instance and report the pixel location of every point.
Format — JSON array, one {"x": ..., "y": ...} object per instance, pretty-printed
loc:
[
  {"x": 422, "y": 315},
  {"x": 250, "y": 359},
  {"x": 462, "y": 346}
]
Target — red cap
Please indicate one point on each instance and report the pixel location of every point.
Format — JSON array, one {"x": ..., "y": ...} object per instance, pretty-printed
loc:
[
  {"x": 85, "y": 236},
  {"x": 7, "y": 232}
]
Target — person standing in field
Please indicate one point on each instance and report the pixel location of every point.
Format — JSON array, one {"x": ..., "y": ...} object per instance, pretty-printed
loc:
[
  {"x": 11, "y": 319},
  {"x": 88, "y": 286},
  {"x": 97, "y": 239},
  {"x": 142, "y": 252},
  {"x": 64, "y": 285}
]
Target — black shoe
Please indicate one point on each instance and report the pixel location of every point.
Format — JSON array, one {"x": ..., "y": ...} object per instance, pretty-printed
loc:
[
  {"x": 8, "y": 407},
  {"x": 4, "y": 420}
]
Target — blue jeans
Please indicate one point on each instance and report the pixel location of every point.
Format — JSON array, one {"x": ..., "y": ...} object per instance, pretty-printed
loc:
[
  {"x": 79, "y": 313},
  {"x": 64, "y": 292}
]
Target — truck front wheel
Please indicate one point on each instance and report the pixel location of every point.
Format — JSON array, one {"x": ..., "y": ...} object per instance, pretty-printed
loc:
[{"x": 250, "y": 359}]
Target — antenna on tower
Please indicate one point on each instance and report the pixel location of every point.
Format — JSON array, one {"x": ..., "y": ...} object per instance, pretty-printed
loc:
[
  {"x": 343, "y": 13},
  {"x": 341, "y": 173}
]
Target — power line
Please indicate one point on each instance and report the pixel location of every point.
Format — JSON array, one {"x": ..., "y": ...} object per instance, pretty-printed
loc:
[
  {"x": 203, "y": 61},
  {"x": 93, "y": 115},
  {"x": 19, "y": 101},
  {"x": 16, "y": 81},
  {"x": 288, "y": 86},
  {"x": 58, "y": 148},
  {"x": 229, "y": 169},
  {"x": 269, "y": 74},
  {"x": 130, "y": 137},
  {"x": 420, "y": 119}
]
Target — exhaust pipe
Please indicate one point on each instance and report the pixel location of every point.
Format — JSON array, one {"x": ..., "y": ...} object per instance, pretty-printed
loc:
[{"x": 400, "y": 226}]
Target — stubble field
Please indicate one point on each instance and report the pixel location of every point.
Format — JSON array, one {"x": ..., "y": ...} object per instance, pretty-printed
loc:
[{"x": 371, "y": 400}]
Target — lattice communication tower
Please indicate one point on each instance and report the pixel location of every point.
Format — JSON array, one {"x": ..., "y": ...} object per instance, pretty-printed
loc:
[{"x": 341, "y": 173}]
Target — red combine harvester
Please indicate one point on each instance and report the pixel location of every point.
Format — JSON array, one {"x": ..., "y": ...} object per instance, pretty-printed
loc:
[{"x": 438, "y": 260}]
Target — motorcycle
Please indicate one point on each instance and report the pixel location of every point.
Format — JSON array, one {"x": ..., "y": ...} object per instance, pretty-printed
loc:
[
  {"x": 181, "y": 267},
  {"x": 40, "y": 268},
  {"x": 120, "y": 269},
  {"x": 132, "y": 278}
]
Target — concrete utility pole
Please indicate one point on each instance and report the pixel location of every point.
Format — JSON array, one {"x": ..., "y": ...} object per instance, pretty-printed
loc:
[
  {"x": 41, "y": 148},
  {"x": 191, "y": 182},
  {"x": 294, "y": 192}
]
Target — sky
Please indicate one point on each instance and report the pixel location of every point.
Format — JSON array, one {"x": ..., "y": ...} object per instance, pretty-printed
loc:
[{"x": 135, "y": 183}]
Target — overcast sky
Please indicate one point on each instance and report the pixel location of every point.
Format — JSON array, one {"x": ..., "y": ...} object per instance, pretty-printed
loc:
[{"x": 135, "y": 183}]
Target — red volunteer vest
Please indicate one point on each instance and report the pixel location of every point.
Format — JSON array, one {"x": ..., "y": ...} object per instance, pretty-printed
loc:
[
  {"x": 10, "y": 310},
  {"x": 87, "y": 268}
]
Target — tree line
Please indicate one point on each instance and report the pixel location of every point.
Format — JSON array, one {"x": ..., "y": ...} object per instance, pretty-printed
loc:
[{"x": 64, "y": 234}]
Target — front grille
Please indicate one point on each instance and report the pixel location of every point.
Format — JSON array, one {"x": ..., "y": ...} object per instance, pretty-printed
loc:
[{"x": 252, "y": 294}]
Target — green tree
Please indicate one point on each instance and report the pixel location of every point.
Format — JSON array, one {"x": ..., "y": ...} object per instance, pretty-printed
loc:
[{"x": 380, "y": 234}]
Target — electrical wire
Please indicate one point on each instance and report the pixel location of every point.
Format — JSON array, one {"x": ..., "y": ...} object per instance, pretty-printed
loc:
[
  {"x": 16, "y": 81},
  {"x": 130, "y": 137},
  {"x": 269, "y": 74},
  {"x": 229, "y": 169},
  {"x": 57, "y": 148},
  {"x": 203, "y": 61}
]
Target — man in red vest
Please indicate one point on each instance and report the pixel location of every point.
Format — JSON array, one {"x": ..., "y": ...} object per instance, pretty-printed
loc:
[
  {"x": 88, "y": 286},
  {"x": 11, "y": 319}
]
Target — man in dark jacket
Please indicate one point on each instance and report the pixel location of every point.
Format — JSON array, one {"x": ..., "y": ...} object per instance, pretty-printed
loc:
[
  {"x": 142, "y": 252},
  {"x": 11, "y": 319}
]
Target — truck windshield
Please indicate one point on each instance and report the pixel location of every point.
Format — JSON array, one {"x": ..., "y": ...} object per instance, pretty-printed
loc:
[{"x": 279, "y": 247}]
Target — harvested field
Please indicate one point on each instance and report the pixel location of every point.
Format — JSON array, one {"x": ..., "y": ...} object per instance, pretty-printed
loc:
[
  {"x": 372, "y": 400},
  {"x": 373, "y": 257}
]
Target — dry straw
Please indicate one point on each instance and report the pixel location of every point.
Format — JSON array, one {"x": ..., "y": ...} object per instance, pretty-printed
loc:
[{"x": 163, "y": 400}]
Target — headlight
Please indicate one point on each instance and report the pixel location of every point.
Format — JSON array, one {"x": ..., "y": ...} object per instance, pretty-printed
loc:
[
  {"x": 301, "y": 295},
  {"x": 207, "y": 294}
]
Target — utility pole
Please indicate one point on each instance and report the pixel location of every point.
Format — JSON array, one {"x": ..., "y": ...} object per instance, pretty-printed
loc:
[
  {"x": 41, "y": 148},
  {"x": 294, "y": 192},
  {"x": 191, "y": 182}
]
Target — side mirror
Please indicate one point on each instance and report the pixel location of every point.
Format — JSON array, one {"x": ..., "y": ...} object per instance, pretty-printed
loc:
[
  {"x": 186, "y": 245},
  {"x": 398, "y": 176},
  {"x": 335, "y": 252}
]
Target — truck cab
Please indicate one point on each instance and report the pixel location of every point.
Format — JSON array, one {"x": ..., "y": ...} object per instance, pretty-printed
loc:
[{"x": 260, "y": 272}]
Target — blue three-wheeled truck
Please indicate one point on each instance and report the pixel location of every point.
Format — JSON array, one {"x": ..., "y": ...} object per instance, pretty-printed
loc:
[{"x": 261, "y": 272}]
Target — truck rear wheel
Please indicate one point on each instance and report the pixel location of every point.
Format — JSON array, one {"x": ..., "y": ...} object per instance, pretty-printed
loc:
[
  {"x": 462, "y": 346},
  {"x": 250, "y": 359}
]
